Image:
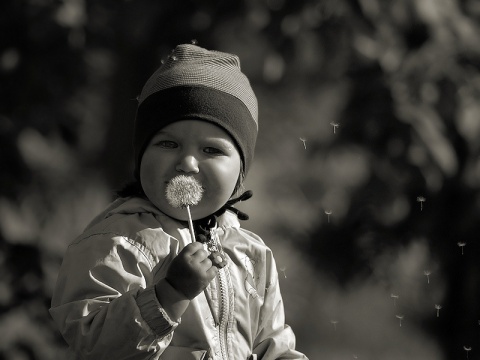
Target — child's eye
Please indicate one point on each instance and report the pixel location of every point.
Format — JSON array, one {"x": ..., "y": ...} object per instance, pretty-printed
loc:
[
  {"x": 213, "y": 151},
  {"x": 166, "y": 144}
]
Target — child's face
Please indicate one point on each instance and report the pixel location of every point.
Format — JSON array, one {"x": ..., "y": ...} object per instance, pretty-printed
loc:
[{"x": 192, "y": 148}]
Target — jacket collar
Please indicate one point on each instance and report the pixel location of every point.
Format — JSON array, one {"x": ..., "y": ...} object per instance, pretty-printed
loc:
[{"x": 136, "y": 205}]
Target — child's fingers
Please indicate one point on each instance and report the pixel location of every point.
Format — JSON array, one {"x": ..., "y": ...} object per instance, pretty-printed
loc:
[
  {"x": 190, "y": 273},
  {"x": 212, "y": 272},
  {"x": 209, "y": 268},
  {"x": 192, "y": 248},
  {"x": 206, "y": 263},
  {"x": 200, "y": 255}
]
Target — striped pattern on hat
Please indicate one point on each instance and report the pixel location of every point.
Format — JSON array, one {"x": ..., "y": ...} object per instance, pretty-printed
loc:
[
  {"x": 190, "y": 65},
  {"x": 195, "y": 83}
]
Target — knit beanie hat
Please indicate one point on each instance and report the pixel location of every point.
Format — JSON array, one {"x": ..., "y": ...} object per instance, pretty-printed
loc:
[{"x": 195, "y": 83}]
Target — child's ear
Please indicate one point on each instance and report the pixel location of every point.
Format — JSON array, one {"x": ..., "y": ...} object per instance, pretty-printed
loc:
[{"x": 239, "y": 188}]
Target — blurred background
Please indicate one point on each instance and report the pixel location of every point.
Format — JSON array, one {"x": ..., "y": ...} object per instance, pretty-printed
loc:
[{"x": 366, "y": 173}]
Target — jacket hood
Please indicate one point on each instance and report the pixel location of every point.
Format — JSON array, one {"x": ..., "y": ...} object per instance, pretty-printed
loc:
[{"x": 136, "y": 205}]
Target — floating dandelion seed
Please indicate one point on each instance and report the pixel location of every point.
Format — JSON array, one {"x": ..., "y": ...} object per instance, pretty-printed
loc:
[
  {"x": 335, "y": 126},
  {"x": 182, "y": 192},
  {"x": 194, "y": 42},
  {"x": 328, "y": 213},
  {"x": 427, "y": 273},
  {"x": 438, "y": 307},
  {"x": 467, "y": 349},
  {"x": 334, "y": 323},
  {"x": 395, "y": 298},
  {"x": 421, "y": 200},
  {"x": 283, "y": 269},
  {"x": 304, "y": 141},
  {"x": 400, "y": 317},
  {"x": 462, "y": 245}
]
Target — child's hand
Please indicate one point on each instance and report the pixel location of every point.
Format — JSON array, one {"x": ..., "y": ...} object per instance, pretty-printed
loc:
[{"x": 191, "y": 271}]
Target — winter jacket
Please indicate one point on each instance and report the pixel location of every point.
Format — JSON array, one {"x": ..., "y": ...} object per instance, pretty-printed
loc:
[{"x": 105, "y": 304}]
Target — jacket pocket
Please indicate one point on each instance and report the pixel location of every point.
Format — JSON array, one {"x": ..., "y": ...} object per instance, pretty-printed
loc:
[{"x": 183, "y": 353}]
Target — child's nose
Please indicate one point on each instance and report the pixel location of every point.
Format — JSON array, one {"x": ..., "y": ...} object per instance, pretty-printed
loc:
[{"x": 187, "y": 164}]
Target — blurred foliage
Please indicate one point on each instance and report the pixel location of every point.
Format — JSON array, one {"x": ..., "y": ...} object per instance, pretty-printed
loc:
[{"x": 366, "y": 173}]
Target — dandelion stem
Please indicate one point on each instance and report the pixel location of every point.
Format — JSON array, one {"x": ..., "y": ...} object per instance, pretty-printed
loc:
[{"x": 190, "y": 223}]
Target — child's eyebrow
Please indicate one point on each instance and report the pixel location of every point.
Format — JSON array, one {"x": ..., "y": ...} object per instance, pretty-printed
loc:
[
  {"x": 225, "y": 142},
  {"x": 161, "y": 132},
  {"x": 216, "y": 140}
]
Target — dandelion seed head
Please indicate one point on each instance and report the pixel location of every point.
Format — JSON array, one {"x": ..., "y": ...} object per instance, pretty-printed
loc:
[{"x": 183, "y": 191}]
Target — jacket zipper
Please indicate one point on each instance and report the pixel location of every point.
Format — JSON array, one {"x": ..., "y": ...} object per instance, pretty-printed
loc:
[
  {"x": 224, "y": 308},
  {"x": 224, "y": 313}
]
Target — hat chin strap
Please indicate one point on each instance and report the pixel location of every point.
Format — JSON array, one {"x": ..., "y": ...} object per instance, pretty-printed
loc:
[
  {"x": 229, "y": 205},
  {"x": 203, "y": 226}
]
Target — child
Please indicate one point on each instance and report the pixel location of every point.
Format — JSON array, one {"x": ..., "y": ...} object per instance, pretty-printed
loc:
[{"x": 135, "y": 284}]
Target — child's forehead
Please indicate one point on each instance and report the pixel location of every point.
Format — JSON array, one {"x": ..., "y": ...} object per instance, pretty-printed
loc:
[{"x": 194, "y": 128}]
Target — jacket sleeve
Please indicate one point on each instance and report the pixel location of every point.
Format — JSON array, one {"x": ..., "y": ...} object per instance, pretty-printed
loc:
[
  {"x": 275, "y": 339},
  {"x": 104, "y": 302}
]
